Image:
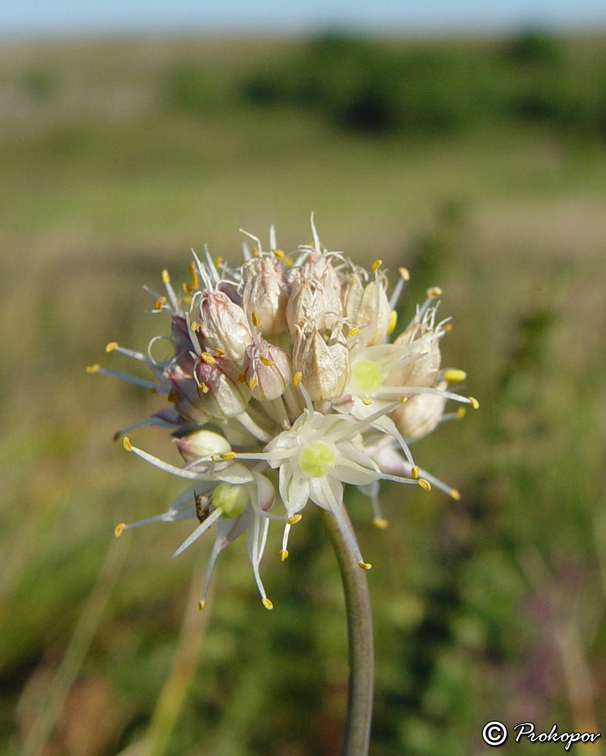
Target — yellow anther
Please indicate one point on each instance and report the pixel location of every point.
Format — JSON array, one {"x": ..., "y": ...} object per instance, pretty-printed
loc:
[
  {"x": 460, "y": 413},
  {"x": 119, "y": 528},
  {"x": 414, "y": 472},
  {"x": 434, "y": 292},
  {"x": 242, "y": 378},
  {"x": 127, "y": 444},
  {"x": 267, "y": 603},
  {"x": 217, "y": 261},
  {"x": 392, "y": 321},
  {"x": 380, "y": 522},
  {"x": 425, "y": 484},
  {"x": 455, "y": 376},
  {"x": 215, "y": 457},
  {"x": 165, "y": 276},
  {"x": 254, "y": 252},
  {"x": 92, "y": 368},
  {"x": 279, "y": 254},
  {"x": 367, "y": 401},
  {"x": 403, "y": 399},
  {"x": 111, "y": 346},
  {"x": 266, "y": 361},
  {"x": 353, "y": 332},
  {"x": 474, "y": 402},
  {"x": 404, "y": 274},
  {"x": 252, "y": 382},
  {"x": 159, "y": 302},
  {"x": 293, "y": 519},
  {"x": 228, "y": 455},
  {"x": 288, "y": 261},
  {"x": 283, "y": 555},
  {"x": 201, "y": 605},
  {"x": 296, "y": 379},
  {"x": 376, "y": 265},
  {"x": 254, "y": 318},
  {"x": 203, "y": 387},
  {"x": 195, "y": 325},
  {"x": 219, "y": 352},
  {"x": 447, "y": 327},
  {"x": 186, "y": 287},
  {"x": 453, "y": 493},
  {"x": 365, "y": 565},
  {"x": 208, "y": 358}
]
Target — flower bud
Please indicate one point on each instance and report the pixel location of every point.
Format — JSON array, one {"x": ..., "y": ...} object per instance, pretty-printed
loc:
[
  {"x": 186, "y": 396},
  {"x": 231, "y": 499},
  {"x": 265, "y": 293},
  {"x": 223, "y": 325},
  {"x": 420, "y": 414},
  {"x": 312, "y": 302},
  {"x": 322, "y": 358},
  {"x": 222, "y": 392},
  {"x": 367, "y": 307},
  {"x": 201, "y": 443},
  {"x": 267, "y": 370},
  {"x": 421, "y": 369}
]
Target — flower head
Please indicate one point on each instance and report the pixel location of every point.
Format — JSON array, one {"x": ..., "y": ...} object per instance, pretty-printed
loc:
[{"x": 288, "y": 360}]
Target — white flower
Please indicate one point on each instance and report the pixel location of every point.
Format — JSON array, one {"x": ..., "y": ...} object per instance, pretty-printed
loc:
[{"x": 287, "y": 360}]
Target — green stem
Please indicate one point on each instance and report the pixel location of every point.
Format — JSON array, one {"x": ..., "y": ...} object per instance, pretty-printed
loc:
[{"x": 361, "y": 657}]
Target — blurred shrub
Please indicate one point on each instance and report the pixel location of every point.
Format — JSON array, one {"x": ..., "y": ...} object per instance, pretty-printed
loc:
[
  {"x": 367, "y": 86},
  {"x": 187, "y": 88}
]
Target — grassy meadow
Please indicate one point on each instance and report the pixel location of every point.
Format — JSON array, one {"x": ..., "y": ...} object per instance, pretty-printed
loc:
[{"x": 116, "y": 157}]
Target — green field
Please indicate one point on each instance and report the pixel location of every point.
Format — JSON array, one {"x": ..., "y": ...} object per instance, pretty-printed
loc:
[{"x": 116, "y": 158}]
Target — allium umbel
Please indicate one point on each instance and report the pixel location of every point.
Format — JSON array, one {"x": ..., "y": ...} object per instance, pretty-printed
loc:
[{"x": 284, "y": 386}]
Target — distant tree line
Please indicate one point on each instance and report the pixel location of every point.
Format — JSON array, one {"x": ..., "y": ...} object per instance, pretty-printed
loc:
[{"x": 438, "y": 88}]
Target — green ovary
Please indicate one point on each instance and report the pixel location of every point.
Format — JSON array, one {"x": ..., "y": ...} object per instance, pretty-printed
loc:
[
  {"x": 230, "y": 498},
  {"x": 316, "y": 458},
  {"x": 366, "y": 377}
]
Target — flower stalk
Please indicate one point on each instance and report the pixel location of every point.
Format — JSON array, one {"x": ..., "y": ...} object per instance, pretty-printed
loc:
[{"x": 359, "y": 631}]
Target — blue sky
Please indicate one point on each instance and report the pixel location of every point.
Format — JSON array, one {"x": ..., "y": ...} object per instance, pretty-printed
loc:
[{"x": 25, "y": 17}]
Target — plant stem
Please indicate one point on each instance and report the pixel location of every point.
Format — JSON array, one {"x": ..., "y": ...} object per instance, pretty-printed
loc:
[{"x": 361, "y": 657}]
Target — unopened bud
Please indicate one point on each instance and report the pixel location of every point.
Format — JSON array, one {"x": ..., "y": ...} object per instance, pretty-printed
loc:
[
  {"x": 200, "y": 444},
  {"x": 226, "y": 395},
  {"x": 231, "y": 499},
  {"x": 267, "y": 368},
  {"x": 367, "y": 307},
  {"x": 265, "y": 293},
  {"x": 312, "y": 302},
  {"x": 186, "y": 396},
  {"x": 419, "y": 415},
  {"x": 322, "y": 358},
  {"x": 223, "y": 325},
  {"x": 422, "y": 366}
]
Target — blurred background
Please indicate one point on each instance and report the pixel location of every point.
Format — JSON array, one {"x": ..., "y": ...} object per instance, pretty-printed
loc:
[{"x": 465, "y": 141}]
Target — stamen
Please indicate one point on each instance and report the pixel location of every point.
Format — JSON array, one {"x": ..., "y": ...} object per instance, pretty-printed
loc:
[
  {"x": 111, "y": 346},
  {"x": 460, "y": 413},
  {"x": 201, "y": 605},
  {"x": 425, "y": 484},
  {"x": 283, "y": 555},
  {"x": 202, "y": 528},
  {"x": 365, "y": 565},
  {"x": 353, "y": 332},
  {"x": 266, "y": 361},
  {"x": 392, "y": 321},
  {"x": 293, "y": 519},
  {"x": 380, "y": 522},
  {"x": 296, "y": 379},
  {"x": 254, "y": 319},
  {"x": 474, "y": 402},
  {"x": 454, "y": 376},
  {"x": 208, "y": 358},
  {"x": 376, "y": 265},
  {"x": 118, "y": 530},
  {"x": 267, "y": 603},
  {"x": 434, "y": 292}
]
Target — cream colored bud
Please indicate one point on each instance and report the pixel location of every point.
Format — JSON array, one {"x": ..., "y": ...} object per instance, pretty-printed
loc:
[
  {"x": 225, "y": 395},
  {"x": 312, "y": 302},
  {"x": 419, "y": 415},
  {"x": 223, "y": 325},
  {"x": 322, "y": 358},
  {"x": 367, "y": 307},
  {"x": 423, "y": 364},
  {"x": 201, "y": 444},
  {"x": 265, "y": 293},
  {"x": 267, "y": 370}
]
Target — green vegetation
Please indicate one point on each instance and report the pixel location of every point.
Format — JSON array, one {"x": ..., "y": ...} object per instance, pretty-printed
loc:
[{"x": 485, "y": 173}]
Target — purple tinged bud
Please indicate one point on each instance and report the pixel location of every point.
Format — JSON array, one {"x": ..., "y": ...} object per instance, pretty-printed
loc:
[
  {"x": 201, "y": 444},
  {"x": 222, "y": 390},
  {"x": 223, "y": 325},
  {"x": 267, "y": 370}
]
